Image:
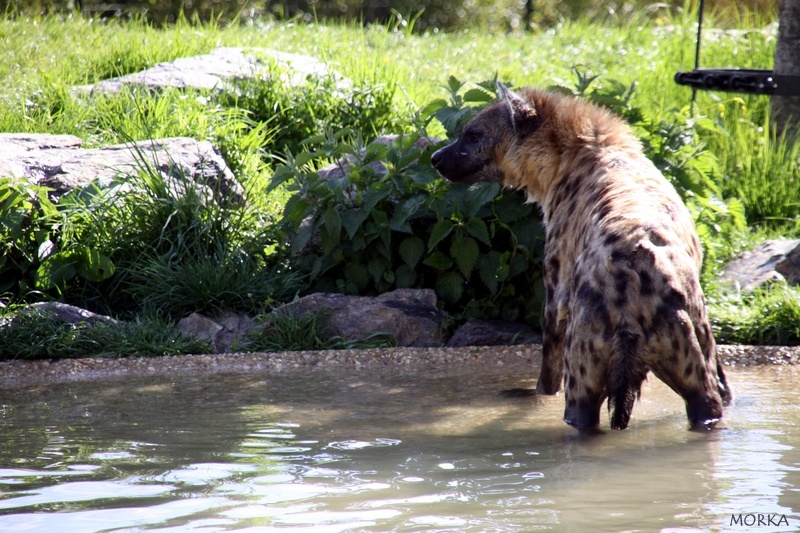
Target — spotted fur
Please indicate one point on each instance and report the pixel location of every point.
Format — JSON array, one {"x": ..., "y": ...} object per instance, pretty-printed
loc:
[{"x": 622, "y": 256}]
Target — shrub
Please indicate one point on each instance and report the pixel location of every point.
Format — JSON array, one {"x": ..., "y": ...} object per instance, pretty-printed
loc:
[
  {"x": 176, "y": 249},
  {"x": 35, "y": 257},
  {"x": 391, "y": 223}
]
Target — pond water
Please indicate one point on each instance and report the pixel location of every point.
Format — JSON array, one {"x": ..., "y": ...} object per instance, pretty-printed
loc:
[{"x": 392, "y": 452}]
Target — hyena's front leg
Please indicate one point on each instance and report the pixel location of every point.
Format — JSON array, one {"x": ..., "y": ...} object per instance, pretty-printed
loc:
[
  {"x": 552, "y": 354},
  {"x": 552, "y": 372}
]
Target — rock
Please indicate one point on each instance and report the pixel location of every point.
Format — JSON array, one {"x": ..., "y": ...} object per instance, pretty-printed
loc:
[
  {"x": 59, "y": 162},
  {"x": 225, "y": 334},
  {"x": 234, "y": 329},
  {"x": 69, "y": 314},
  {"x": 789, "y": 266},
  {"x": 777, "y": 260},
  {"x": 493, "y": 333},
  {"x": 200, "y": 327},
  {"x": 215, "y": 70},
  {"x": 410, "y": 316}
]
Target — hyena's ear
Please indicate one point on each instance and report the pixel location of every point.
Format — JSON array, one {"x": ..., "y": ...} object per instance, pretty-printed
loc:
[{"x": 521, "y": 113}]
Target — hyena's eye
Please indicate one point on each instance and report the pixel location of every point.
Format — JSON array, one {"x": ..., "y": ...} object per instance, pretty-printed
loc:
[{"x": 473, "y": 136}]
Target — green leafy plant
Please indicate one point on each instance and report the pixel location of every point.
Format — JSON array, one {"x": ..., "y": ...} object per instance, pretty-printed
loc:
[
  {"x": 35, "y": 256},
  {"x": 391, "y": 222},
  {"x": 179, "y": 246}
]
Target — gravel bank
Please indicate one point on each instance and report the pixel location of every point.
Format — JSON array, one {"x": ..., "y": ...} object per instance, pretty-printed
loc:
[{"x": 489, "y": 359}]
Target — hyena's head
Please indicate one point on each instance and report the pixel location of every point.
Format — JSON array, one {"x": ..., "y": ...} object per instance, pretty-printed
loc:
[
  {"x": 529, "y": 140},
  {"x": 478, "y": 153}
]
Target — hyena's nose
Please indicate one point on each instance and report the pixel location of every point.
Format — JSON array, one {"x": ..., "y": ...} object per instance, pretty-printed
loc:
[{"x": 436, "y": 158}]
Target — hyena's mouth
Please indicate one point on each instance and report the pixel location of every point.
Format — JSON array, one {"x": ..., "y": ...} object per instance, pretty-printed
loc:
[{"x": 459, "y": 167}]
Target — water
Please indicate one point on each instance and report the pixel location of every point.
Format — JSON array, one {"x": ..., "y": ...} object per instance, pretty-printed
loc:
[{"x": 327, "y": 453}]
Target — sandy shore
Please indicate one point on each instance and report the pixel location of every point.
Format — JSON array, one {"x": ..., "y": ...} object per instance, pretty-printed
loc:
[{"x": 489, "y": 359}]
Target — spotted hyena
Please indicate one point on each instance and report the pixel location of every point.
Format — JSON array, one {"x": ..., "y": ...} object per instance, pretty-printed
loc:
[{"x": 622, "y": 256}]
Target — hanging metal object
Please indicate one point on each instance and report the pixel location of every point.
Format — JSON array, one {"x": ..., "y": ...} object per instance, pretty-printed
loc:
[{"x": 735, "y": 80}]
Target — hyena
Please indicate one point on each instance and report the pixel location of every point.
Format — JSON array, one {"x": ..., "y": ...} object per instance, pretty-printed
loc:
[{"x": 622, "y": 255}]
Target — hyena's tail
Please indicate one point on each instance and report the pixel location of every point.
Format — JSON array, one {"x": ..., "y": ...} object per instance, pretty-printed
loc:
[{"x": 626, "y": 373}]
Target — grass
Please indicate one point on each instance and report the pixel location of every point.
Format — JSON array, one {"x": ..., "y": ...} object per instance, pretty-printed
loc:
[
  {"x": 287, "y": 331},
  {"x": 174, "y": 257},
  {"x": 37, "y": 334},
  {"x": 770, "y": 315}
]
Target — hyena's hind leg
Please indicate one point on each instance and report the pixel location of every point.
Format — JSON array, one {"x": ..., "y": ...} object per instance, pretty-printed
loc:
[
  {"x": 585, "y": 370},
  {"x": 709, "y": 349},
  {"x": 694, "y": 376}
]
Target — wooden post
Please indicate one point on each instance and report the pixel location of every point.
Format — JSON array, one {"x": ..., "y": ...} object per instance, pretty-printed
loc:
[{"x": 786, "y": 109}]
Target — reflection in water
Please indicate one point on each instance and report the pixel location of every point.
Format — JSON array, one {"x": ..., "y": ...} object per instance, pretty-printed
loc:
[{"x": 387, "y": 452}]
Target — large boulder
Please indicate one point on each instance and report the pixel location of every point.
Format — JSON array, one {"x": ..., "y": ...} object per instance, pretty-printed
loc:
[
  {"x": 61, "y": 313},
  {"x": 777, "y": 260},
  {"x": 226, "y": 333},
  {"x": 60, "y": 162},
  {"x": 410, "y": 316},
  {"x": 477, "y": 332},
  {"x": 215, "y": 70}
]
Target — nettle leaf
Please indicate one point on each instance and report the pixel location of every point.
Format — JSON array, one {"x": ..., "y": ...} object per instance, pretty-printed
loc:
[
  {"x": 478, "y": 95},
  {"x": 405, "y": 277},
  {"x": 332, "y": 222},
  {"x": 528, "y": 232},
  {"x": 438, "y": 260},
  {"x": 478, "y": 195},
  {"x": 433, "y": 107},
  {"x": 452, "y": 119},
  {"x": 352, "y": 220},
  {"x": 450, "y": 286},
  {"x": 405, "y": 210},
  {"x": 440, "y": 230},
  {"x": 411, "y": 250},
  {"x": 296, "y": 210},
  {"x": 512, "y": 207},
  {"x": 519, "y": 264},
  {"x": 478, "y": 229},
  {"x": 454, "y": 84},
  {"x": 375, "y": 195},
  {"x": 376, "y": 268},
  {"x": 301, "y": 238},
  {"x": 465, "y": 251},
  {"x": 357, "y": 274},
  {"x": 493, "y": 268},
  {"x": 376, "y": 151}
]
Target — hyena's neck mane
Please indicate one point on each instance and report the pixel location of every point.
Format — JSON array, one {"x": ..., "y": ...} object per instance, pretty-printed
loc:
[{"x": 573, "y": 136}]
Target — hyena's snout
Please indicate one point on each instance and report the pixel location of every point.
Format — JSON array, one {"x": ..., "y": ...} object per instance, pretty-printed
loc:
[
  {"x": 442, "y": 161},
  {"x": 457, "y": 165}
]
